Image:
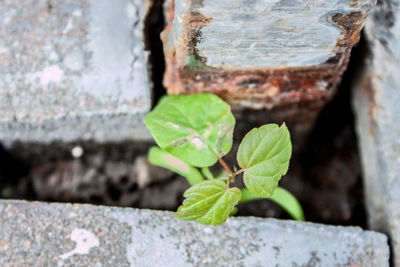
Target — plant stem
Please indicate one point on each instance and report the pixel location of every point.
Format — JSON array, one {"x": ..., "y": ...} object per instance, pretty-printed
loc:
[
  {"x": 239, "y": 172},
  {"x": 282, "y": 197},
  {"x": 207, "y": 173},
  {"x": 223, "y": 163},
  {"x": 231, "y": 174}
]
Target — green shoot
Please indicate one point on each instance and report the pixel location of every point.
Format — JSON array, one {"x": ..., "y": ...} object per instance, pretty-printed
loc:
[{"x": 196, "y": 131}]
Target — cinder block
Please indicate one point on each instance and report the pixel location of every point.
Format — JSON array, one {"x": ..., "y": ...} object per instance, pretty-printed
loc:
[
  {"x": 37, "y": 234},
  {"x": 376, "y": 98},
  {"x": 73, "y": 70}
]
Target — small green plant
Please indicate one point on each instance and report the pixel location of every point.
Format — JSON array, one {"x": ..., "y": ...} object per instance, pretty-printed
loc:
[{"x": 195, "y": 131}]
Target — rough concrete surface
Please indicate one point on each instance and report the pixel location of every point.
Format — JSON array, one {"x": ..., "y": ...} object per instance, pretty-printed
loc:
[
  {"x": 376, "y": 102},
  {"x": 41, "y": 234},
  {"x": 73, "y": 69}
]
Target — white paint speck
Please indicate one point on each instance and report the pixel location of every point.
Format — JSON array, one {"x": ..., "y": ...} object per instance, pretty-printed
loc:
[
  {"x": 69, "y": 26},
  {"x": 84, "y": 240},
  {"x": 51, "y": 74},
  {"x": 208, "y": 230},
  {"x": 77, "y": 151}
]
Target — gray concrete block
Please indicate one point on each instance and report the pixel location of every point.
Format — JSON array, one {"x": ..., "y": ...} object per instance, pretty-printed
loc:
[
  {"x": 376, "y": 103},
  {"x": 73, "y": 70},
  {"x": 41, "y": 234}
]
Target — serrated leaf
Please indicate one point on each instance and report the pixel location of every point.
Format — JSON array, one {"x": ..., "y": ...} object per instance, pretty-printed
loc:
[
  {"x": 264, "y": 154},
  {"x": 195, "y": 128},
  {"x": 209, "y": 202},
  {"x": 164, "y": 159}
]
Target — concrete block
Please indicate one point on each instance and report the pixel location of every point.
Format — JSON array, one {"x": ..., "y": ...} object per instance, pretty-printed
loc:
[
  {"x": 73, "y": 70},
  {"x": 376, "y": 98},
  {"x": 262, "y": 53},
  {"x": 41, "y": 234}
]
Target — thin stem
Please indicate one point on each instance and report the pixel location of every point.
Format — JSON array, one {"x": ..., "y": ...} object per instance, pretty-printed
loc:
[
  {"x": 239, "y": 172},
  {"x": 233, "y": 175},
  {"x": 207, "y": 173},
  {"x": 223, "y": 163}
]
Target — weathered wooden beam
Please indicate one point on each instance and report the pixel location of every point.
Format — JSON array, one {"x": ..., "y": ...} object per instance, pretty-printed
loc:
[{"x": 262, "y": 54}]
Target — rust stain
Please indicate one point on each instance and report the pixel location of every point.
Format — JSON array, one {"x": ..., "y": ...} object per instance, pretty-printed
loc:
[
  {"x": 167, "y": 43},
  {"x": 366, "y": 86},
  {"x": 171, "y": 76},
  {"x": 169, "y": 15},
  {"x": 198, "y": 20},
  {"x": 264, "y": 88},
  {"x": 351, "y": 25}
]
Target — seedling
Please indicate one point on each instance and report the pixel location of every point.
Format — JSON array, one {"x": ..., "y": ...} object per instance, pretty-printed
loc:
[{"x": 195, "y": 131}]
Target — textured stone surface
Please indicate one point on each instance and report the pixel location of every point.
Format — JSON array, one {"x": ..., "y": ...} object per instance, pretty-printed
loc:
[
  {"x": 376, "y": 102},
  {"x": 40, "y": 234},
  {"x": 261, "y": 53},
  {"x": 72, "y": 70}
]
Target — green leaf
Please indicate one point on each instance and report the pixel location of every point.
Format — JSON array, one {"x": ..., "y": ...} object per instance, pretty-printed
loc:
[
  {"x": 282, "y": 197},
  {"x": 209, "y": 202},
  {"x": 264, "y": 155},
  {"x": 195, "y": 128},
  {"x": 164, "y": 159}
]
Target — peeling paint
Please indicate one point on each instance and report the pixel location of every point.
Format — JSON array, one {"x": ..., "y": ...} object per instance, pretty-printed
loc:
[{"x": 51, "y": 74}]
